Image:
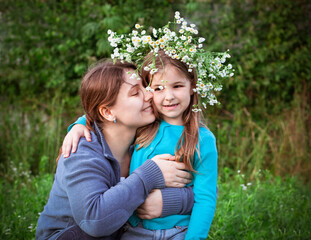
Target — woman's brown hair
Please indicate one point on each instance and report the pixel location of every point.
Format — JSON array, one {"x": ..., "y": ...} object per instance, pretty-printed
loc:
[
  {"x": 188, "y": 142},
  {"x": 100, "y": 87}
]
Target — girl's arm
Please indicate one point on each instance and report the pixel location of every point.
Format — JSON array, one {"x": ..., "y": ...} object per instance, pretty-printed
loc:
[
  {"x": 204, "y": 187},
  {"x": 75, "y": 132}
]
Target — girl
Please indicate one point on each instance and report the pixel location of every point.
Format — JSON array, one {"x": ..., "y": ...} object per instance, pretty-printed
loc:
[
  {"x": 177, "y": 131},
  {"x": 87, "y": 199}
]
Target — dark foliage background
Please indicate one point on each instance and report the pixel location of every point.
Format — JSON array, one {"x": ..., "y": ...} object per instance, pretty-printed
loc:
[
  {"x": 264, "y": 119},
  {"x": 262, "y": 127}
]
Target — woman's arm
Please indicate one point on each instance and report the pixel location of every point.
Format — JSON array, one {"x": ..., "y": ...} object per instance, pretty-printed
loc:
[
  {"x": 94, "y": 198},
  {"x": 165, "y": 202}
]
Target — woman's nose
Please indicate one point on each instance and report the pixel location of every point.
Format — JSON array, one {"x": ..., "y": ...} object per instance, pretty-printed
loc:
[{"x": 148, "y": 95}]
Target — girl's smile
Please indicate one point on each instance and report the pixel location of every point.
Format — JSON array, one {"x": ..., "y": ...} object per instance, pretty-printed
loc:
[{"x": 171, "y": 98}]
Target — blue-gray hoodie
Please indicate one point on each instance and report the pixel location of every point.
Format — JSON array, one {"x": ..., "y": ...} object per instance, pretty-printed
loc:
[{"x": 87, "y": 192}]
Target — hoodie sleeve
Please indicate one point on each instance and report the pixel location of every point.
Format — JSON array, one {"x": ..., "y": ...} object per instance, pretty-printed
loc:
[{"x": 99, "y": 207}]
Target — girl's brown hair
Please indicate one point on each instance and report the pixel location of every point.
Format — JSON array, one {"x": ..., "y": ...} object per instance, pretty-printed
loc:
[
  {"x": 188, "y": 142},
  {"x": 100, "y": 87}
]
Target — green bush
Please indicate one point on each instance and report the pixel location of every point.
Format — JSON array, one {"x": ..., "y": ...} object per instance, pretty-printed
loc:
[{"x": 47, "y": 45}]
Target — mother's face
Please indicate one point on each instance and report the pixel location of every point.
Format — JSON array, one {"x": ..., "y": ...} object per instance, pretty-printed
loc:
[{"x": 133, "y": 107}]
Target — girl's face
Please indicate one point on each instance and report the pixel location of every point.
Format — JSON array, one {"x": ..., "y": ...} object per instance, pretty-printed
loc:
[
  {"x": 133, "y": 107},
  {"x": 172, "y": 93}
]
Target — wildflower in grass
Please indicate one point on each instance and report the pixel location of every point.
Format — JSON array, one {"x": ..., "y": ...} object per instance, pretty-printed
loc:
[{"x": 244, "y": 188}]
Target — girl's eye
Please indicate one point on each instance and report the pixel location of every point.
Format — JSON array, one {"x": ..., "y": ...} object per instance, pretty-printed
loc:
[
  {"x": 178, "y": 86},
  {"x": 135, "y": 93},
  {"x": 158, "y": 89}
]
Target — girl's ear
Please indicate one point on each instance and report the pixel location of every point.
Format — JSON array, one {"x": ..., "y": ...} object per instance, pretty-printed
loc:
[{"x": 107, "y": 114}]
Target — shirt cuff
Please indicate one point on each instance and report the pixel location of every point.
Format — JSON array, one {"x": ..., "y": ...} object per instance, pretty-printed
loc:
[
  {"x": 171, "y": 198},
  {"x": 151, "y": 175}
]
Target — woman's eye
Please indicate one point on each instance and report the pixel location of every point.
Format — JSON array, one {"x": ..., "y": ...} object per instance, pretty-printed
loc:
[
  {"x": 135, "y": 93},
  {"x": 178, "y": 86}
]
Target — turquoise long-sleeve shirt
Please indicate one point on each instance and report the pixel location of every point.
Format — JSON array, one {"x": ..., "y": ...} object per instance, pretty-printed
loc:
[{"x": 204, "y": 180}]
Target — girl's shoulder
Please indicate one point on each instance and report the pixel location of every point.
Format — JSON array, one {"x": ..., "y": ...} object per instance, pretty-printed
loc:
[{"x": 205, "y": 134}]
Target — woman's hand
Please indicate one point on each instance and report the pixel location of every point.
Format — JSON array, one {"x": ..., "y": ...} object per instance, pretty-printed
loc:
[
  {"x": 173, "y": 172},
  {"x": 72, "y": 138},
  {"x": 152, "y": 207}
]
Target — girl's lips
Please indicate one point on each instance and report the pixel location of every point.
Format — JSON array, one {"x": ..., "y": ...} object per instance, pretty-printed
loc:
[{"x": 171, "y": 106}]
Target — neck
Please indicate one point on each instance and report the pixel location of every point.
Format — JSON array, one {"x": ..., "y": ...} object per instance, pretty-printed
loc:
[{"x": 119, "y": 139}]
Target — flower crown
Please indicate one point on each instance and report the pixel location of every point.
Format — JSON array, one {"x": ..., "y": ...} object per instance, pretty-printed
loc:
[{"x": 181, "y": 44}]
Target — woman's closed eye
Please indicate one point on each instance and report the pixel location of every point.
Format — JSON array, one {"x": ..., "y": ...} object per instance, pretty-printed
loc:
[
  {"x": 178, "y": 86},
  {"x": 135, "y": 93}
]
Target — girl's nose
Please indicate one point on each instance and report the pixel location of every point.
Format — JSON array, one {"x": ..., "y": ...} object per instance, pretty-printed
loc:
[{"x": 169, "y": 95}]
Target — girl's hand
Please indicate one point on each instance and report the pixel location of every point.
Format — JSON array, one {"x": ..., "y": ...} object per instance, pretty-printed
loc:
[
  {"x": 152, "y": 207},
  {"x": 72, "y": 138},
  {"x": 173, "y": 172}
]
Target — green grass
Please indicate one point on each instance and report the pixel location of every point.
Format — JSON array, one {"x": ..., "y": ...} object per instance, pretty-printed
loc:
[
  {"x": 267, "y": 207},
  {"x": 21, "y": 202}
]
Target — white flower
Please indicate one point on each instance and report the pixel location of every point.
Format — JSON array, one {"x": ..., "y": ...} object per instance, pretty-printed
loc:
[
  {"x": 153, "y": 71},
  {"x": 143, "y": 32},
  {"x": 149, "y": 89},
  {"x": 182, "y": 37},
  {"x": 146, "y": 68},
  {"x": 134, "y": 75},
  {"x": 243, "y": 187},
  {"x": 137, "y": 26},
  {"x": 109, "y": 31},
  {"x": 231, "y": 74},
  {"x": 181, "y": 30},
  {"x": 229, "y": 66},
  {"x": 201, "y": 40}
]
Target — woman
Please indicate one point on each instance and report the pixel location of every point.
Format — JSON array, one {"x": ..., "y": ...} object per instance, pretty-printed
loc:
[{"x": 87, "y": 199}]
